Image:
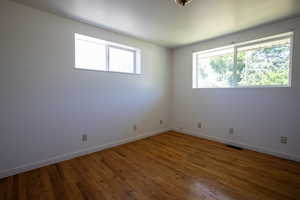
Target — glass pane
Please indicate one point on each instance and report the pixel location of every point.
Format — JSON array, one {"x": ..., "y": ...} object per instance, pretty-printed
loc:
[
  {"x": 264, "y": 64},
  {"x": 121, "y": 60},
  {"x": 215, "y": 69},
  {"x": 90, "y": 55}
]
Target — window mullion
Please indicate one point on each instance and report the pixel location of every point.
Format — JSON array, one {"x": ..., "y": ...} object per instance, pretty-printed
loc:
[
  {"x": 134, "y": 63},
  {"x": 196, "y": 71},
  {"x": 107, "y": 57},
  {"x": 235, "y": 53}
]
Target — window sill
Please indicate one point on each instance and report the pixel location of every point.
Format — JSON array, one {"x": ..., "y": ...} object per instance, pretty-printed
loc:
[
  {"x": 248, "y": 87},
  {"x": 98, "y": 70}
]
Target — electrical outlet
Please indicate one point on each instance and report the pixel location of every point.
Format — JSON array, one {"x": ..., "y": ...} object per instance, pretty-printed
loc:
[
  {"x": 231, "y": 131},
  {"x": 134, "y": 127},
  {"x": 84, "y": 138},
  {"x": 199, "y": 125},
  {"x": 283, "y": 140},
  {"x": 161, "y": 122}
]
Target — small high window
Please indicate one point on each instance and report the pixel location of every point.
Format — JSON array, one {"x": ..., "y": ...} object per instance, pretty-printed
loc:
[{"x": 95, "y": 54}]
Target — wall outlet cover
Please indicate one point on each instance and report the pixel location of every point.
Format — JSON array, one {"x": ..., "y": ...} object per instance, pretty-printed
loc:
[
  {"x": 84, "y": 138},
  {"x": 199, "y": 125}
]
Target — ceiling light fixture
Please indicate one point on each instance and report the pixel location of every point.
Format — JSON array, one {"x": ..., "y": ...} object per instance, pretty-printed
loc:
[{"x": 183, "y": 2}]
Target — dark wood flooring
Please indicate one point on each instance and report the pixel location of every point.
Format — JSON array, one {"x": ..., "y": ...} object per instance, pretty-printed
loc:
[{"x": 170, "y": 166}]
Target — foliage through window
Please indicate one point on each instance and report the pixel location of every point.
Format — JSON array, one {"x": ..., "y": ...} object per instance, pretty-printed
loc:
[
  {"x": 95, "y": 54},
  {"x": 260, "y": 63}
]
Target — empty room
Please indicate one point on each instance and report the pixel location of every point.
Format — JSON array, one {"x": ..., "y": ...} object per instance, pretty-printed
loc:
[{"x": 150, "y": 100}]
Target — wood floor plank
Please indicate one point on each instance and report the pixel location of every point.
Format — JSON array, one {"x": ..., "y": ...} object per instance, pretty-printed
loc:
[
  {"x": 169, "y": 166},
  {"x": 245, "y": 169}
]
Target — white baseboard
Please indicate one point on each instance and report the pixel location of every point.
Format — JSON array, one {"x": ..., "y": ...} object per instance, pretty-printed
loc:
[
  {"x": 242, "y": 145},
  {"x": 60, "y": 158}
]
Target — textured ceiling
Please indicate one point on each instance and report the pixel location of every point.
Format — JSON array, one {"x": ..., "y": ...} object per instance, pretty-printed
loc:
[{"x": 164, "y": 23}]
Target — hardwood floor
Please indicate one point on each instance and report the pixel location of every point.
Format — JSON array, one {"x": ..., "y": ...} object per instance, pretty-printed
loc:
[{"x": 167, "y": 166}]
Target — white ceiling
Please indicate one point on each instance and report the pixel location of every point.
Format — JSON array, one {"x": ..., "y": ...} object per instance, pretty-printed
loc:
[{"x": 164, "y": 23}]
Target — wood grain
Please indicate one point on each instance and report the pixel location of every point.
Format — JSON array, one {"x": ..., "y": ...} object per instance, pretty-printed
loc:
[{"x": 170, "y": 166}]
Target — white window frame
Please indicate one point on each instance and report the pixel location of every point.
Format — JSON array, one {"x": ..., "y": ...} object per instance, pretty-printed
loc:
[
  {"x": 136, "y": 52},
  {"x": 288, "y": 35}
]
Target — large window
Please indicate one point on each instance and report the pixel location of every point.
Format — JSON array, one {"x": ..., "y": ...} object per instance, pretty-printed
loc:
[
  {"x": 96, "y": 54},
  {"x": 260, "y": 63}
]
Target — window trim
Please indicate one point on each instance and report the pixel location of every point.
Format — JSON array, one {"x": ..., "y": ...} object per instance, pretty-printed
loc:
[
  {"x": 108, "y": 44},
  {"x": 288, "y": 35}
]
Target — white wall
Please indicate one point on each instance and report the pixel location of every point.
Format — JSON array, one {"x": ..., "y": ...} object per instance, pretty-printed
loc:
[
  {"x": 46, "y": 104},
  {"x": 259, "y": 116}
]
